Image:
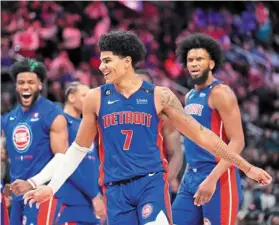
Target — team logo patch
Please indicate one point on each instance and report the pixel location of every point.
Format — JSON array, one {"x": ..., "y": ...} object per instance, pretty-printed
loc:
[
  {"x": 34, "y": 117},
  {"x": 206, "y": 221},
  {"x": 22, "y": 137},
  {"x": 146, "y": 211}
]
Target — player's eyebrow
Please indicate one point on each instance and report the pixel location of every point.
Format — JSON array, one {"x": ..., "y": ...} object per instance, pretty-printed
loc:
[{"x": 105, "y": 58}]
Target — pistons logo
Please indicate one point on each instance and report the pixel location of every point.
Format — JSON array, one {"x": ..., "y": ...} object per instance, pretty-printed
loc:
[
  {"x": 146, "y": 211},
  {"x": 22, "y": 137}
]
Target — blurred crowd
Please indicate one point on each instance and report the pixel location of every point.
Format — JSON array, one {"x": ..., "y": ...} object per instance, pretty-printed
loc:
[{"x": 63, "y": 35}]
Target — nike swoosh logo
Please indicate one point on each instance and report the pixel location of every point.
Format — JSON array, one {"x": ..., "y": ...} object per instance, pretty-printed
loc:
[
  {"x": 12, "y": 118},
  {"x": 151, "y": 174},
  {"x": 111, "y": 102}
]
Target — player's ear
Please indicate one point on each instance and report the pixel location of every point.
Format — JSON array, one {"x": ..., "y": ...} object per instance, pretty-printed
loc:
[
  {"x": 128, "y": 61},
  {"x": 40, "y": 87},
  {"x": 211, "y": 64}
]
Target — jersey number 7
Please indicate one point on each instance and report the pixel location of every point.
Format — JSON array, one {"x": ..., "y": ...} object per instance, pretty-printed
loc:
[{"x": 128, "y": 139}]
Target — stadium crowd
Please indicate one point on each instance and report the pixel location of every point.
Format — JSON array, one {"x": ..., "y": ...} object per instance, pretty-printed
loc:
[{"x": 63, "y": 35}]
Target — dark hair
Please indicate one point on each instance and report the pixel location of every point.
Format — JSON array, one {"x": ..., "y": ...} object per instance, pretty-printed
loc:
[
  {"x": 123, "y": 44},
  {"x": 71, "y": 89},
  {"x": 146, "y": 73},
  {"x": 199, "y": 40},
  {"x": 29, "y": 65}
]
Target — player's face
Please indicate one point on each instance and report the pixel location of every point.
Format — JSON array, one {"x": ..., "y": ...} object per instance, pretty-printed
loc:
[
  {"x": 79, "y": 97},
  {"x": 113, "y": 67},
  {"x": 199, "y": 65},
  {"x": 28, "y": 87}
]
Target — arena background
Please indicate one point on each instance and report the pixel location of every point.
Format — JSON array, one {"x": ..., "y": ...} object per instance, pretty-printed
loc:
[{"x": 64, "y": 34}]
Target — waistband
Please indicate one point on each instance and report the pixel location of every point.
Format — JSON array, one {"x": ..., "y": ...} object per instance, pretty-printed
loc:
[{"x": 130, "y": 179}]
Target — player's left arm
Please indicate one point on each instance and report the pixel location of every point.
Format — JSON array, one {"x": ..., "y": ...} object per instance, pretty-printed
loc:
[
  {"x": 59, "y": 144},
  {"x": 222, "y": 99},
  {"x": 173, "y": 149},
  {"x": 225, "y": 102}
]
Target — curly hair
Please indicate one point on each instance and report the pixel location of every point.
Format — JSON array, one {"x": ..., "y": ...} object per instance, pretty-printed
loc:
[
  {"x": 123, "y": 44},
  {"x": 199, "y": 40},
  {"x": 29, "y": 65}
]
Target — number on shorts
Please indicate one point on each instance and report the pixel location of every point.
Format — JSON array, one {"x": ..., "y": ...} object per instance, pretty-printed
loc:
[{"x": 128, "y": 139}]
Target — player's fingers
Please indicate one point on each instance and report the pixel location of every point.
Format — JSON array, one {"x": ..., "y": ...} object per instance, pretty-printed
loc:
[
  {"x": 197, "y": 199},
  {"x": 27, "y": 196},
  {"x": 31, "y": 202},
  {"x": 267, "y": 176}
]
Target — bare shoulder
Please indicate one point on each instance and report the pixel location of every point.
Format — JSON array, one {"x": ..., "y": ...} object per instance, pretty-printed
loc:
[
  {"x": 166, "y": 100},
  {"x": 59, "y": 123},
  {"x": 222, "y": 95}
]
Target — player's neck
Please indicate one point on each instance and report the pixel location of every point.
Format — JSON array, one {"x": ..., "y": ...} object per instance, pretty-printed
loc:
[
  {"x": 128, "y": 85},
  {"x": 209, "y": 81},
  {"x": 71, "y": 111}
]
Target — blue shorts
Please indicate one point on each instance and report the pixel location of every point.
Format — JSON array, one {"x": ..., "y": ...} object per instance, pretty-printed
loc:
[
  {"x": 26, "y": 215},
  {"x": 139, "y": 200},
  {"x": 74, "y": 215},
  {"x": 222, "y": 208}
]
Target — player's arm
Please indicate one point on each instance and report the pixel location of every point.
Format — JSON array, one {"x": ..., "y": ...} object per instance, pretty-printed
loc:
[
  {"x": 173, "y": 149},
  {"x": 76, "y": 152},
  {"x": 167, "y": 103},
  {"x": 59, "y": 144},
  {"x": 85, "y": 136},
  {"x": 225, "y": 102}
]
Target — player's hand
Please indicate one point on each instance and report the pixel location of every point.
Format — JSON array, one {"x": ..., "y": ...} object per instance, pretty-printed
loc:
[
  {"x": 205, "y": 191},
  {"x": 99, "y": 207},
  {"x": 39, "y": 195},
  {"x": 20, "y": 187},
  {"x": 259, "y": 175}
]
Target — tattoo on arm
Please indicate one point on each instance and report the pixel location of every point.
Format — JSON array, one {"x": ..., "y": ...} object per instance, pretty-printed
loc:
[
  {"x": 169, "y": 100},
  {"x": 221, "y": 149}
]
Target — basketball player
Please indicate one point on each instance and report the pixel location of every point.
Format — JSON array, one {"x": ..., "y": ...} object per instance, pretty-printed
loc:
[
  {"x": 210, "y": 191},
  {"x": 126, "y": 112},
  {"x": 172, "y": 146},
  {"x": 36, "y": 137},
  {"x": 75, "y": 198}
]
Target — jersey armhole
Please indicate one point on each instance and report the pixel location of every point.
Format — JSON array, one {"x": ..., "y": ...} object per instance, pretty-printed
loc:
[{"x": 209, "y": 93}]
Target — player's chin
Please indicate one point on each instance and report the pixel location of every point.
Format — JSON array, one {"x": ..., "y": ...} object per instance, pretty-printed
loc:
[{"x": 26, "y": 102}]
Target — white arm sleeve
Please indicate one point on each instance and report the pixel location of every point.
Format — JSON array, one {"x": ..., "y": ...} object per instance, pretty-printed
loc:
[
  {"x": 72, "y": 159},
  {"x": 47, "y": 172}
]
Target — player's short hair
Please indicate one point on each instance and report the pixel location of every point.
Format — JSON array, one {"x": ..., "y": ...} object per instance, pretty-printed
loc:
[
  {"x": 28, "y": 65},
  {"x": 71, "y": 89},
  {"x": 199, "y": 40},
  {"x": 146, "y": 73},
  {"x": 123, "y": 44}
]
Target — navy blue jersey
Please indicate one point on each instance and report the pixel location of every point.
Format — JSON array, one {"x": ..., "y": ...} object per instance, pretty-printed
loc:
[
  {"x": 197, "y": 106},
  {"x": 28, "y": 139},
  {"x": 130, "y": 138},
  {"x": 83, "y": 183}
]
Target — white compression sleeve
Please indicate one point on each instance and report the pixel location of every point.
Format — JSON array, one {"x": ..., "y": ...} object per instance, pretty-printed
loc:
[
  {"x": 47, "y": 172},
  {"x": 72, "y": 159}
]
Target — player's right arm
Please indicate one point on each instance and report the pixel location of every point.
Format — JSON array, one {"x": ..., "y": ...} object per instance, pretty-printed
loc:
[
  {"x": 168, "y": 104},
  {"x": 76, "y": 152}
]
